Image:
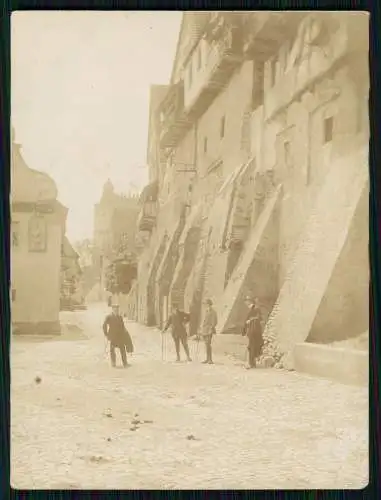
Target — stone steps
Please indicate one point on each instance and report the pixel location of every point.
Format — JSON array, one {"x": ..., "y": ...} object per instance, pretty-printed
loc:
[{"x": 229, "y": 304}]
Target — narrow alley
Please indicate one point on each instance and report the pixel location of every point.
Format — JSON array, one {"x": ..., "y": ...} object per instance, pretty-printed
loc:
[{"x": 78, "y": 423}]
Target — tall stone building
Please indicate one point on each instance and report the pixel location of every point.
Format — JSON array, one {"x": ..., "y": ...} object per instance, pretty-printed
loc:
[
  {"x": 261, "y": 175},
  {"x": 37, "y": 231},
  {"x": 114, "y": 228}
]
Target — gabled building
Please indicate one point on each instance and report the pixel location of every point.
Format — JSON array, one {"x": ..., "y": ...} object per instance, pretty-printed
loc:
[
  {"x": 263, "y": 184},
  {"x": 37, "y": 231}
]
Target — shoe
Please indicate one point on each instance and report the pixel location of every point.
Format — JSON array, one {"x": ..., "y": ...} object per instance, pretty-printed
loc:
[
  {"x": 210, "y": 362},
  {"x": 189, "y": 359},
  {"x": 178, "y": 360},
  {"x": 205, "y": 362}
]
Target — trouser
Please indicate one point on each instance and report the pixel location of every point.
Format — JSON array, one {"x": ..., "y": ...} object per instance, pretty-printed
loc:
[
  {"x": 252, "y": 355},
  {"x": 183, "y": 339},
  {"x": 208, "y": 347},
  {"x": 123, "y": 353}
]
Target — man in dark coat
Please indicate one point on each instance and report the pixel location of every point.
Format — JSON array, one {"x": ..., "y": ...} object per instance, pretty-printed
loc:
[
  {"x": 253, "y": 330},
  {"x": 118, "y": 336},
  {"x": 177, "y": 320}
]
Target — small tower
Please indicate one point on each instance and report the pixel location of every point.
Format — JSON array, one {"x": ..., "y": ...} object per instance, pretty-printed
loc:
[{"x": 108, "y": 191}]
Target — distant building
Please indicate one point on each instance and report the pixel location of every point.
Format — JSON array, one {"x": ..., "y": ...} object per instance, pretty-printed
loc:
[
  {"x": 72, "y": 294},
  {"x": 84, "y": 249},
  {"x": 114, "y": 230},
  {"x": 259, "y": 175},
  {"x": 37, "y": 229}
]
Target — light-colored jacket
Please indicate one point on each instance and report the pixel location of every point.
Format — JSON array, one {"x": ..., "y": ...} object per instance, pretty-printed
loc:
[{"x": 210, "y": 323}]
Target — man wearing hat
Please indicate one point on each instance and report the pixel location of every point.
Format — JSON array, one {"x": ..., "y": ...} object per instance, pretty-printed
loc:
[
  {"x": 118, "y": 336},
  {"x": 253, "y": 330},
  {"x": 177, "y": 320},
  {"x": 209, "y": 329}
]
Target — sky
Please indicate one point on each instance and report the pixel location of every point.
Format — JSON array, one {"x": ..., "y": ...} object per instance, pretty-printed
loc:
[{"x": 80, "y": 98}]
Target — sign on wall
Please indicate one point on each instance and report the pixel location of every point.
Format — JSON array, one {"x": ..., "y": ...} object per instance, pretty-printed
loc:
[{"x": 37, "y": 234}]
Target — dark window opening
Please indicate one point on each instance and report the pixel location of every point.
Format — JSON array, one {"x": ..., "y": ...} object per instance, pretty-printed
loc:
[
  {"x": 222, "y": 127},
  {"x": 257, "y": 93},
  {"x": 205, "y": 144},
  {"x": 328, "y": 129}
]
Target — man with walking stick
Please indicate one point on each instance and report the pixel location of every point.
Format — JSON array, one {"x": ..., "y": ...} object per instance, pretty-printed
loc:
[
  {"x": 177, "y": 320},
  {"x": 118, "y": 336}
]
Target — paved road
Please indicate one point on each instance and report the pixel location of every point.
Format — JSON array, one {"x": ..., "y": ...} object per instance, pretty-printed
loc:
[{"x": 199, "y": 426}]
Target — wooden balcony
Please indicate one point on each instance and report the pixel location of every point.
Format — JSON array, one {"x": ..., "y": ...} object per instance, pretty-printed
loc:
[
  {"x": 265, "y": 32},
  {"x": 147, "y": 216},
  {"x": 224, "y": 56},
  {"x": 173, "y": 120},
  {"x": 180, "y": 109}
]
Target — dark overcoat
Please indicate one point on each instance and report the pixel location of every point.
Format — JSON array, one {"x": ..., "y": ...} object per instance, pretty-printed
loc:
[
  {"x": 116, "y": 332},
  {"x": 253, "y": 330},
  {"x": 178, "y": 321}
]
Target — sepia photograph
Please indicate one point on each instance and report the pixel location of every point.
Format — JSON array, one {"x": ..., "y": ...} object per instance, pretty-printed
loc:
[{"x": 189, "y": 250}]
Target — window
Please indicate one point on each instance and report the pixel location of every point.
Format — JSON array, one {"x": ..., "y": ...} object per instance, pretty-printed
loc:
[
  {"x": 15, "y": 234},
  {"x": 199, "y": 58},
  {"x": 205, "y": 144},
  {"x": 328, "y": 129},
  {"x": 222, "y": 127}
]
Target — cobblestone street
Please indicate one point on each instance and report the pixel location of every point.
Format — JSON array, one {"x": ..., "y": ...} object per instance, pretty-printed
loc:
[{"x": 175, "y": 426}]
